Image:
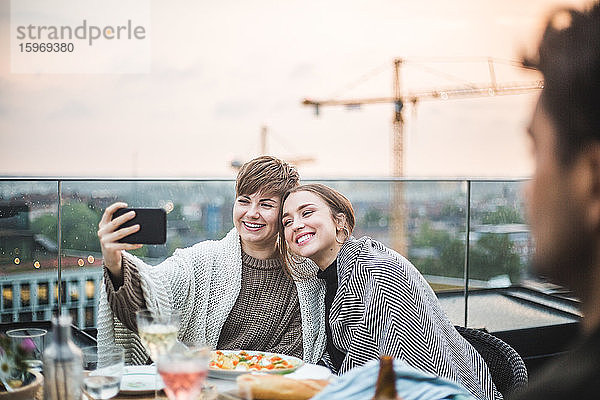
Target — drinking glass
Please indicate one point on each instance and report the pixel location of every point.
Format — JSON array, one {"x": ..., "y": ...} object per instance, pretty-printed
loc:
[
  {"x": 158, "y": 333},
  {"x": 184, "y": 371},
  {"x": 32, "y": 341},
  {"x": 102, "y": 371}
]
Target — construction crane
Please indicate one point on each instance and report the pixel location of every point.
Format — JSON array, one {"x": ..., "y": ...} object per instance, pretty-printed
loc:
[
  {"x": 399, "y": 99},
  {"x": 236, "y": 164}
]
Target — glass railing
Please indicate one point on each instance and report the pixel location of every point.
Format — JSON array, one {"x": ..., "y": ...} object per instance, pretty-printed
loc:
[{"x": 461, "y": 234}]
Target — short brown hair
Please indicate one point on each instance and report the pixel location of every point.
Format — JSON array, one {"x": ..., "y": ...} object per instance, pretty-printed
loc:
[
  {"x": 338, "y": 204},
  {"x": 266, "y": 174}
]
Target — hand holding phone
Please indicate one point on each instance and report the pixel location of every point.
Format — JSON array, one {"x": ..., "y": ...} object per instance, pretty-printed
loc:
[{"x": 152, "y": 222}]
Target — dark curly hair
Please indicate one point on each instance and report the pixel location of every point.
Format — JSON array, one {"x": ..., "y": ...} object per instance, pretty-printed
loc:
[{"x": 569, "y": 58}]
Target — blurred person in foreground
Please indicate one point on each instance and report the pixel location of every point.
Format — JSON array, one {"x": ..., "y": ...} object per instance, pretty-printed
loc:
[
  {"x": 232, "y": 293},
  {"x": 372, "y": 301},
  {"x": 564, "y": 192}
]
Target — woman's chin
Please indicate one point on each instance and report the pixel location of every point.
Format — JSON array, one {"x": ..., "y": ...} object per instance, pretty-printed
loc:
[
  {"x": 303, "y": 252},
  {"x": 258, "y": 240}
]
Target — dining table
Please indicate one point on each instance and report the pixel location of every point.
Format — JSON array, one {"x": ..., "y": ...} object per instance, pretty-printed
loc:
[
  {"x": 226, "y": 389},
  {"x": 222, "y": 389}
]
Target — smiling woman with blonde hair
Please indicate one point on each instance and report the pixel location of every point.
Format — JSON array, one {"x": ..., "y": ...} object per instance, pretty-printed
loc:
[{"x": 373, "y": 301}]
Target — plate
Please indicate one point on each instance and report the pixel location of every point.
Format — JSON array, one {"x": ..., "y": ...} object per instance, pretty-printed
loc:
[
  {"x": 232, "y": 374},
  {"x": 311, "y": 371},
  {"x": 140, "y": 379}
]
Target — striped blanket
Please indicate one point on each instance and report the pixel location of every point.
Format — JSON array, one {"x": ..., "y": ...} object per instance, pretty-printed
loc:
[{"x": 384, "y": 306}]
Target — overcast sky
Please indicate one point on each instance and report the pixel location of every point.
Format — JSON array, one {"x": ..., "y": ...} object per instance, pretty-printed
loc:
[{"x": 222, "y": 70}]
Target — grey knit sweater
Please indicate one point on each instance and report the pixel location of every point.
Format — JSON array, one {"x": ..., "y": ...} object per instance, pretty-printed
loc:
[{"x": 265, "y": 316}]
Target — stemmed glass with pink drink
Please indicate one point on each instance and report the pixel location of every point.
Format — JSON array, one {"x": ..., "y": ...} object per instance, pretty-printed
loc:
[{"x": 183, "y": 371}]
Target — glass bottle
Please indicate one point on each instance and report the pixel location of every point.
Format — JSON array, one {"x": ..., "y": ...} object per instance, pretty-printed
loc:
[
  {"x": 63, "y": 365},
  {"x": 385, "y": 388}
]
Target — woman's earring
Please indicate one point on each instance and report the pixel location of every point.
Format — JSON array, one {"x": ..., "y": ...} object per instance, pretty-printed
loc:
[{"x": 347, "y": 232}]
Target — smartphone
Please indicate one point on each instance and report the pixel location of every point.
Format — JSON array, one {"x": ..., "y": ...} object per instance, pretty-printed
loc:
[{"x": 153, "y": 225}]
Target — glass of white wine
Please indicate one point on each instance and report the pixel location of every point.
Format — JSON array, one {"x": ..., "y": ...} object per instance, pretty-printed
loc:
[{"x": 158, "y": 332}]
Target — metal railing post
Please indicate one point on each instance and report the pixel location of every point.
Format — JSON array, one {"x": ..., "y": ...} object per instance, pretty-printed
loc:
[
  {"x": 467, "y": 246},
  {"x": 59, "y": 235}
]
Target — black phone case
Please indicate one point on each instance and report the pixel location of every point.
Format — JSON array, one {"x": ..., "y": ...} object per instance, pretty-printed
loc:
[{"x": 153, "y": 225}]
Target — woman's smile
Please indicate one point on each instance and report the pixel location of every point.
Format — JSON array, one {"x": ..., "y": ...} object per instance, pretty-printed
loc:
[
  {"x": 252, "y": 226},
  {"x": 304, "y": 238}
]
